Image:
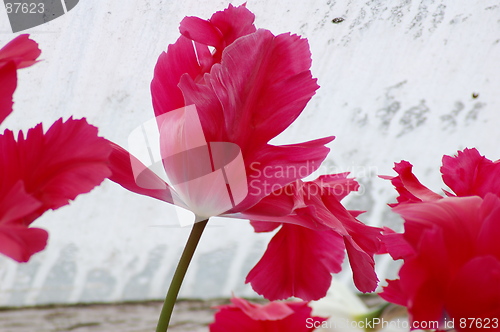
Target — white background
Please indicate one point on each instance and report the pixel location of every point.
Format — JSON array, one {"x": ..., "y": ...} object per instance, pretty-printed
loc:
[{"x": 396, "y": 78}]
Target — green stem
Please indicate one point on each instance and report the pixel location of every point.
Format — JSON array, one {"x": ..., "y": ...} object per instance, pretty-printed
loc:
[{"x": 180, "y": 272}]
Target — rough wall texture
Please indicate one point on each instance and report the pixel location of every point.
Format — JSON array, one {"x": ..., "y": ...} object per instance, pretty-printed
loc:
[{"x": 397, "y": 81}]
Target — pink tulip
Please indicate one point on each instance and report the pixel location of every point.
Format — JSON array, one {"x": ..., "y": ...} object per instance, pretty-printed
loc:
[
  {"x": 451, "y": 270},
  {"x": 216, "y": 111}
]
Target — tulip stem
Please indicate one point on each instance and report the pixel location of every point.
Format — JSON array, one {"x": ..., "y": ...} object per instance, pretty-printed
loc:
[{"x": 180, "y": 272}]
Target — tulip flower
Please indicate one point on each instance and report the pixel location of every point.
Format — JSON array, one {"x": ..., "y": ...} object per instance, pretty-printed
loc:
[
  {"x": 250, "y": 89},
  {"x": 40, "y": 171},
  {"x": 245, "y": 316},
  {"x": 220, "y": 93},
  {"x": 451, "y": 269}
]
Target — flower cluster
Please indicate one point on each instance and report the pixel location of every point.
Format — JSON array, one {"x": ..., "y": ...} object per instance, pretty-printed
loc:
[
  {"x": 220, "y": 94},
  {"x": 450, "y": 249}
]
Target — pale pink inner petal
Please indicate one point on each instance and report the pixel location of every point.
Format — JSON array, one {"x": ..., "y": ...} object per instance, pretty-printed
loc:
[
  {"x": 209, "y": 179},
  {"x": 228, "y": 157},
  {"x": 206, "y": 196}
]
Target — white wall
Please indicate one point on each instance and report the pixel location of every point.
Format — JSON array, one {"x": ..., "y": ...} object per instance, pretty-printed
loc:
[{"x": 396, "y": 79}]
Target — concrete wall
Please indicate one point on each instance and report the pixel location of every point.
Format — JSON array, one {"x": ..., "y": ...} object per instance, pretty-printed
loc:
[{"x": 396, "y": 77}]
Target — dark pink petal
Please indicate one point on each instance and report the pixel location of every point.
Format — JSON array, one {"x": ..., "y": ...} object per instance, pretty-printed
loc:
[
  {"x": 362, "y": 265},
  {"x": 202, "y": 31},
  {"x": 489, "y": 234},
  {"x": 424, "y": 278},
  {"x": 294, "y": 255},
  {"x": 279, "y": 203},
  {"x": 263, "y": 83},
  {"x": 458, "y": 217},
  {"x": 16, "y": 240},
  {"x": 55, "y": 167},
  {"x": 244, "y": 316},
  {"x": 338, "y": 185},
  {"x": 469, "y": 174},
  {"x": 180, "y": 59},
  {"x": 70, "y": 160},
  {"x": 16, "y": 203},
  {"x": 230, "y": 319},
  {"x": 475, "y": 290},
  {"x": 302, "y": 204},
  {"x": 270, "y": 311},
  {"x": 20, "y": 243},
  {"x": 133, "y": 175},
  {"x": 286, "y": 205},
  {"x": 362, "y": 243},
  {"x": 208, "y": 106},
  {"x": 22, "y": 50},
  {"x": 8, "y": 82},
  {"x": 396, "y": 245},
  {"x": 274, "y": 167},
  {"x": 320, "y": 210},
  {"x": 394, "y": 293},
  {"x": 221, "y": 30},
  {"x": 233, "y": 23},
  {"x": 302, "y": 314},
  {"x": 264, "y": 226},
  {"x": 409, "y": 188}
]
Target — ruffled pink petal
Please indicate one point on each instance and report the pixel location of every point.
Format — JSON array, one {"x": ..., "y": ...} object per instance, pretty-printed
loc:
[
  {"x": 21, "y": 50},
  {"x": 363, "y": 267},
  {"x": 362, "y": 263},
  {"x": 16, "y": 203},
  {"x": 55, "y": 167},
  {"x": 233, "y": 23},
  {"x": 274, "y": 167},
  {"x": 180, "y": 59},
  {"x": 245, "y": 316},
  {"x": 271, "y": 311},
  {"x": 469, "y": 174},
  {"x": 20, "y": 243},
  {"x": 263, "y": 84},
  {"x": 202, "y": 31},
  {"x": 222, "y": 29},
  {"x": 394, "y": 293},
  {"x": 320, "y": 211},
  {"x": 70, "y": 160},
  {"x": 396, "y": 245},
  {"x": 458, "y": 217},
  {"x": 338, "y": 185},
  {"x": 8, "y": 82},
  {"x": 298, "y": 203},
  {"x": 409, "y": 188},
  {"x": 294, "y": 255}
]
